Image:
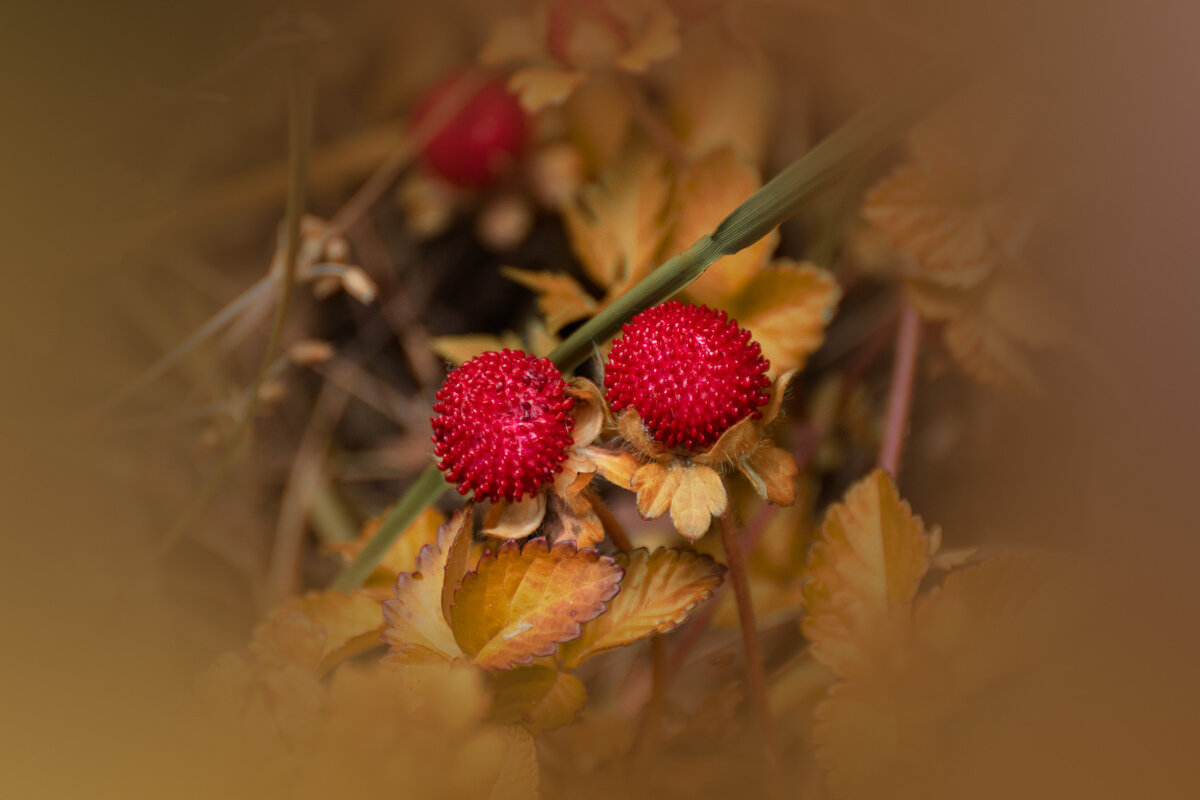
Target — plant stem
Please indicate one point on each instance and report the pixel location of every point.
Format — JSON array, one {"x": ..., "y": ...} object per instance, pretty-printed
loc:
[
  {"x": 756, "y": 680},
  {"x": 908, "y": 339},
  {"x": 612, "y": 526},
  {"x": 858, "y": 140},
  {"x": 300, "y": 112}
]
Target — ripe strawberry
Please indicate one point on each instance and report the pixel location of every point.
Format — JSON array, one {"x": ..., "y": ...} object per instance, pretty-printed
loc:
[
  {"x": 477, "y": 143},
  {"x": 503, "y": 425},
  {"x": 690, "y": 373}
]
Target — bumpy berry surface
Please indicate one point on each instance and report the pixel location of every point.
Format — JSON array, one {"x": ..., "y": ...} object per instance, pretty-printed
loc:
[
  {"x": 690, "y": 372},
  {"x": 503, "y": 425},
  {"x": 487, "y": 133}
]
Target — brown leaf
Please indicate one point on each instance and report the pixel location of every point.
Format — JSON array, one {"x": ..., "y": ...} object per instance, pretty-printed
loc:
[
  {"x": 632, "y": 430},
  {"x": 772, "y": 472},
  {"x": 565, "y": 523},
  {"x": 538, "y": 697},
  {"x": 418, "y": 630},
  {"x": 988, "y": 355},
  {"x": 615, "y": 466},
  {"x": 862, "y": 574},
  {"x": 710, "y": 189},
  {"x": 522, "y": 602},
  {"x": 786, "y": 307},
  {"x": 560, "y": 298},
  {"x": 700, "y": 497},
  {"x": 658, "y": 592}
]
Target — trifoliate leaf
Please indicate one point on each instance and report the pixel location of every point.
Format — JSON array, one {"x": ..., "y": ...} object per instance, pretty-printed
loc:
[
  {"x": 862, "y": 574},
  {"x": 538, "y": 697},
  {"x": 521, "y": 602},
  {"x": 560, "y": 298},
  {"x": 658, "y": 592}
]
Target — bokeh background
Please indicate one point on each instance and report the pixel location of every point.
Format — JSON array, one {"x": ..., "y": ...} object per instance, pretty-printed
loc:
[{"x": 115, "y": 125}]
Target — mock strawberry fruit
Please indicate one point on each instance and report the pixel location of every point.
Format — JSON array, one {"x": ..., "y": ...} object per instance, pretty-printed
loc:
[
  {"x": 688, "y": 371},
  {"x": 476, "y": 144},
  {"x": 503, "y": 425}
]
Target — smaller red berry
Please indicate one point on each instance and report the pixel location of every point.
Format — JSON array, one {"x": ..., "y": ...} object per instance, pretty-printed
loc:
[
  {"x": 486, "y": 134},
  {"x": 690, "y": 373},
  {"x": 503, "y": 425}
]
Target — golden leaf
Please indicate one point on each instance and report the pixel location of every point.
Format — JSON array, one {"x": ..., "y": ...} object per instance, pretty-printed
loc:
[
  {"x": 700, "y": 497},
  {"x": 862, "y": 574},
  {"x": 706, "y": 193},
  {"x": 984, "y": 352},
  {"x": 460, "y": 349},
  {"x": 515, "y": 520},
  {"x": 617, "y": 226},
  {"x": 772, "y": 472},
  {"x": 658, "y": 592},
  {"x": 598, "y": 118},
  {"x": 932, "y": 216},
  {"x": 786, "y": 307},
  {"x": 350, "y": 623},
  {"x": 418, "y": 629},
  {"x": 657, "y": 39},
  {"x": 560, "y": 298},
  {"x": 615, "y": 466},
  {"x": 541, "y": 87},
  {"x": 401, "y": 556},
  {"x": 538, "y": 697},
  {"x": 655, "y": 486},
  {"x": 522, "y": 602}
]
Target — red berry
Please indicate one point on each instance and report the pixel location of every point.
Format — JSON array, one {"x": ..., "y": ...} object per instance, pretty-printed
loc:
[
  {"x": 690, "y": 373},
  {"x": 503, "y": 425},
  {"x": 486, "y": 134}
]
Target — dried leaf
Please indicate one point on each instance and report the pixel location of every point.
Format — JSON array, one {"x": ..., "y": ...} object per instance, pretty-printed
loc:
[
  {"x": 522, "y": 602},
  {"x": 538, "y": 697},
  {"x": 632, "y": 430},
  {"x": 617, "y": 226},
  {"x": 460, "y": 349},
  {"x": 787, "y": 307},
  {"x": 615, "y": 466},
  {"x": 401, "y": 556},
  {"x": 590, "y": 412},
  {"x": 515, "y": 520},
  {"x": 560, "y": 298},
  {"x": 700, "y": 497},
  {"x": 655, "y": 486},
  {"x": 418, "y": 631},
  {"x": 658, "y": 39},
  {"x": 578, "y": 524},
  {"x": 989, "y": 356},
  {"x": 658, "y": 592},
  {"x": 772, "y": 472},
  {"x": 542, "y": 87},
  {"x": 862, "y": 574},
  {"x": 706, "y": 193}
]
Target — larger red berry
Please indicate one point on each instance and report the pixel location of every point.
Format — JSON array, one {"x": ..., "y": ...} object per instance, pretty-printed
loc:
[
  {"x": 503, "y": 425},
  {"x": 690, "y": 373},
  {"x": 483, "y": 137}
]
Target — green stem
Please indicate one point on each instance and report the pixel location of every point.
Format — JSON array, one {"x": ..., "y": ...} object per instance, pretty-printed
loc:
[{"x": 860, "y": 139}]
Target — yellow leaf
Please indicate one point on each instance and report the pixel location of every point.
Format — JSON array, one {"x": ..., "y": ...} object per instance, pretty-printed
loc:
[
  {"x": 538, "y": 697},
  {"x": 618, "y": 225},
  {"x": 700, "y": 497},
  {"x": 541, "y": 87},
  {"x": 522, "y": 602},
  {"x": 418, "y": 630},
  {"x": 515, "y": 520},
  {"x": 657, "y": 39},
  {"x": 988, "y": 355},
  {"x": 459, "y": 349},
  {"x": 351, "y": 623},
  {"x": 786, "y": 307},
  {"x": 655, "y": 486},
  {"x": 402, "y": 555},
  {"x": 560, "y": 298},
  {"x": 616, "y": 467},
  {"x": 658, "y": 592},
  {"x": 598, "y": 118},
  {"x": 862, "y": 574},
  {"x": 710, "y": 189}
]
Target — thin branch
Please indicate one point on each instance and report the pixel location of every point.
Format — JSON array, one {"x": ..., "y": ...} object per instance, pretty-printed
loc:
[
  {"x": 756, "y": 680},
  {"x": 904, "y": 365}
]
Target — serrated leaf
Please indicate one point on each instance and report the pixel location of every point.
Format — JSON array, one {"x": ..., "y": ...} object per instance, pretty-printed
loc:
[
  {"x": 521, "y": 602},
  {"x": 658, "y": 592},
  {"x": 617, "y": 226},
  {"x": 417, "y": 628},
  {"x": 706, "y": 193},
  {"x": 401, "y": 556},
  {"x": 560, "y": 298},
  {"x": 537, "y": 697},
  {"x": 862, "y": 574},
  {"x": 786, "y": 307}
]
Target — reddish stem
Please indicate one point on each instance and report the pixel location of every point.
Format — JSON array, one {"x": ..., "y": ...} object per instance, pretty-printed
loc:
[
  {"x": 908, "y": 338},
  {"x": 755, "y": 678}
]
